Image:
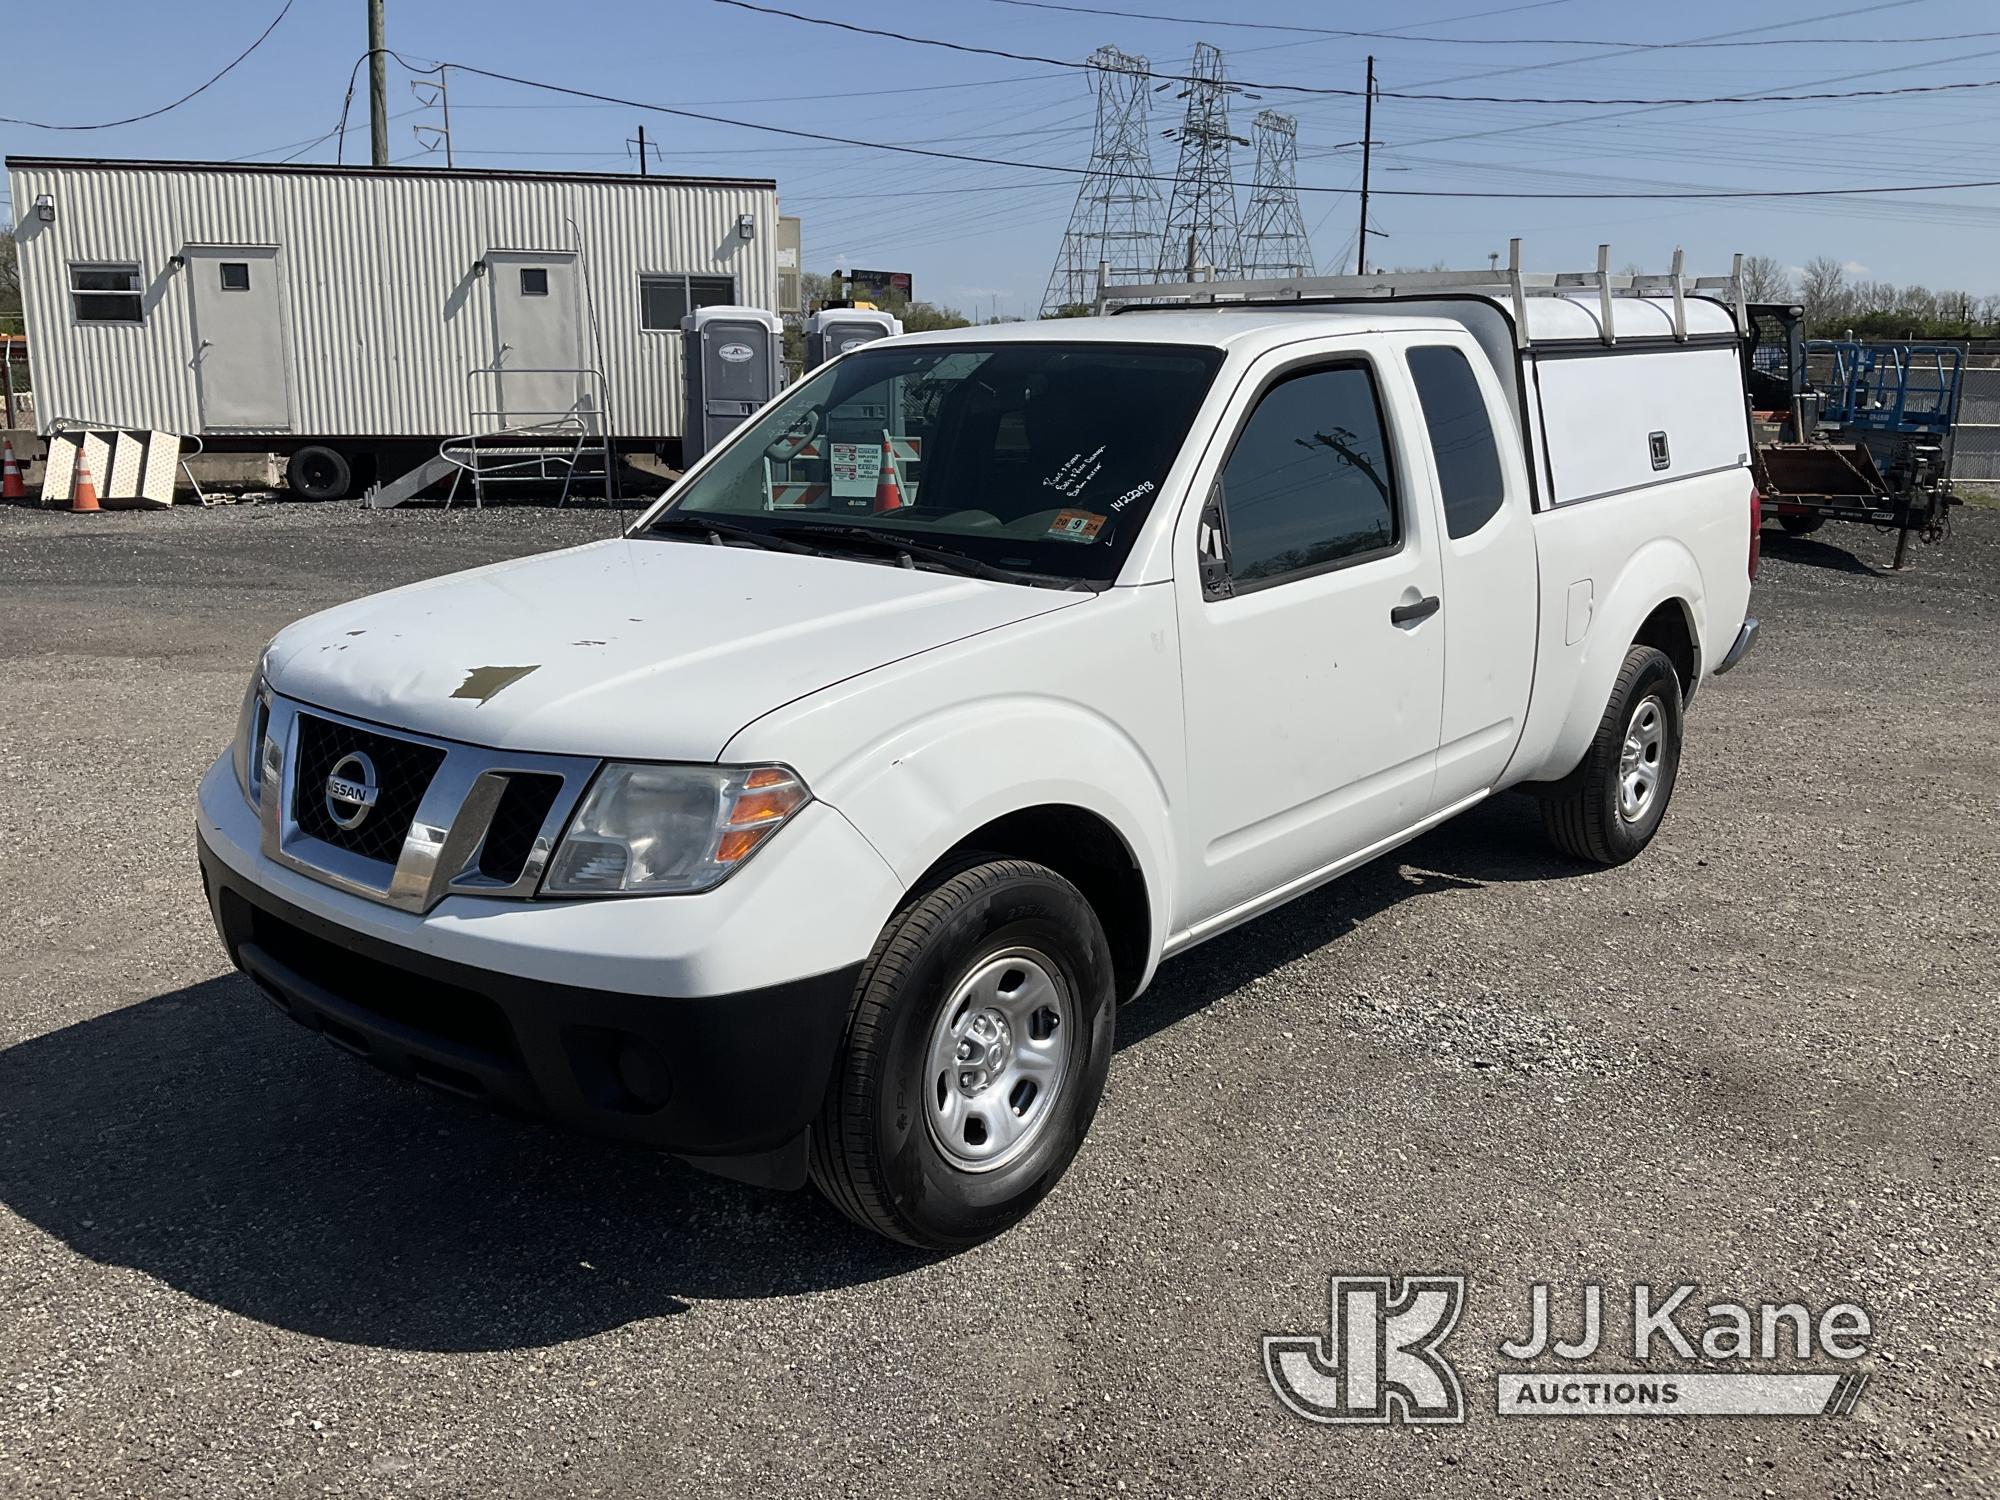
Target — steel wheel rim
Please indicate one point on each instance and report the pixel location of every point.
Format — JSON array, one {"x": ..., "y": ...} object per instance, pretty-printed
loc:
[
  {"x": 998, "y": 1056},
  {"x": 1642, "y": 759}
]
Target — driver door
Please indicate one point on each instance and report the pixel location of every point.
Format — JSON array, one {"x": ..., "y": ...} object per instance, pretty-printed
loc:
[{"x": 1311, "y": 638}]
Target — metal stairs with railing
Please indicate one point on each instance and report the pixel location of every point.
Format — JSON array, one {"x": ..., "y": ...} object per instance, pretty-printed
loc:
[{"x": 567, "y": 447}]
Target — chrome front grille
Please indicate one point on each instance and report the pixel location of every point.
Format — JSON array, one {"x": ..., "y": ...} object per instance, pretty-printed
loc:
[
  {"x": 403, "y": 769},
  {"x": 410, "y": 819}
]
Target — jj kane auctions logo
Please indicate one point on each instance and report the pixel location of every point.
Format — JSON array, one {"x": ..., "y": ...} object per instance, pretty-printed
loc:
[{"x": 1382, "y": 1357}]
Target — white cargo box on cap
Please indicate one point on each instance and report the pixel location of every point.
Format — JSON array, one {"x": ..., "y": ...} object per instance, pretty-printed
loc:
[
  {"x": 735, "y": 363},
  {"x": 833, "y": 331},
  {"x": 1619, "y": 381}
]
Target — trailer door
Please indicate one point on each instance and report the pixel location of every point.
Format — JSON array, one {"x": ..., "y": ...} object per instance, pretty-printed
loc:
[
  {"x": 538, "y": 345},
  {"x": 239, "y": 332}
]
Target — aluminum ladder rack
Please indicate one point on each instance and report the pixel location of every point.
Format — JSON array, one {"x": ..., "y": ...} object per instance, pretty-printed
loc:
[{"x": 1508, "y": 283}]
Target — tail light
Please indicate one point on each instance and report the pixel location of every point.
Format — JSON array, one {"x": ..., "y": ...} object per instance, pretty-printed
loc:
[{"x": 1756, "y": 531}]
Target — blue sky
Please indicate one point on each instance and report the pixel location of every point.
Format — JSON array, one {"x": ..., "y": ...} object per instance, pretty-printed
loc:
[{"x": 984, "y": 237}]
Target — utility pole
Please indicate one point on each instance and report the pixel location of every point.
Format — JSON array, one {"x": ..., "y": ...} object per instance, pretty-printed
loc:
[
  {"x": 434, "y": 95},
  {"x": 642, "y": 151},
  {"x": 378, "y": 86},
  {"x": 1367, "y": 150}
]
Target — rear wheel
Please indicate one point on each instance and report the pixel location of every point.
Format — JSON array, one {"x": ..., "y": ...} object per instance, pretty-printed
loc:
[
  {"x": 317, "y": 472},
  {"x": 1610, "y": 806},
  {"x": 975, "y": 1056},
  {"x": 1801, "y": 525}
]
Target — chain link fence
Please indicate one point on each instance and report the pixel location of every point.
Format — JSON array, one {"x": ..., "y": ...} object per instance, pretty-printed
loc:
[{"x": 1975, "y": 439}]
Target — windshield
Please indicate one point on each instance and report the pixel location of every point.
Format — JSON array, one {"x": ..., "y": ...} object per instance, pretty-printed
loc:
[{"x": 1040, "y": 459}]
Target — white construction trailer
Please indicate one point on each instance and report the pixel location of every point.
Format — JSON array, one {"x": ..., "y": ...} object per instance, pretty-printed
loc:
[{"x": 357, "y": 320}]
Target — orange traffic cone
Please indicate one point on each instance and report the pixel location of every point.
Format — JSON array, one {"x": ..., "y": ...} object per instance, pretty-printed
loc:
[
  {"x": 84, "y": 496},
  {"x": 11, "y": 487},
  {"x": 888, "y": 489}
]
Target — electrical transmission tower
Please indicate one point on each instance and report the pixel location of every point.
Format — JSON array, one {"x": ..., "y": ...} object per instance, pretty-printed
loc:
[
  {"x": 1117, "y": 213},
  {"x": 1274, "y": 240},
  {"x": 1201, "y": 216}
]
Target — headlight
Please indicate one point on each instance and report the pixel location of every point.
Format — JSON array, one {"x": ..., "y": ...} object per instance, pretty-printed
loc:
[
  {"x": 247, "y": 749},
  {"x": 659, "y": 830}
]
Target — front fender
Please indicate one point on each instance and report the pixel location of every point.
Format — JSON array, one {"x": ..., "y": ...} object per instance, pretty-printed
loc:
[{"x": 922, "y": 786}]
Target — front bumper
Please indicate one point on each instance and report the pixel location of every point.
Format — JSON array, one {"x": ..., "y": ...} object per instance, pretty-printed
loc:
[
  {"x": 730, "y": 1081},
  {"x": 1745, "y": 639}
]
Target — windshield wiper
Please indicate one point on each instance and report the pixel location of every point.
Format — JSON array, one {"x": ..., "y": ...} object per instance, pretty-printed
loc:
[
  {"x": 720, "y": 531},
  {"x": 910, "y": 553}
]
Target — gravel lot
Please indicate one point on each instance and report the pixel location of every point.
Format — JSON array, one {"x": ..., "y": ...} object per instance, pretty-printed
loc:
[{"x": 233, "y": 1260}]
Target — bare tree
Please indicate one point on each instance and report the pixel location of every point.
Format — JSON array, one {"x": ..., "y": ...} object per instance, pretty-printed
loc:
[
  {"x": 10, "y": 280},
  {"x": 1875, "y": 297},
  {"x": 1918, "y": 303},
  {"x": 1823, "y": 291},
  {"x": 1765, "y": 280}
]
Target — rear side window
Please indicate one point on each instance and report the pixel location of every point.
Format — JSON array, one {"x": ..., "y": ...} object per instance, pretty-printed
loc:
[
  {"x": 1468, "y": 463},
  {"x": 1308, "y": 484}
]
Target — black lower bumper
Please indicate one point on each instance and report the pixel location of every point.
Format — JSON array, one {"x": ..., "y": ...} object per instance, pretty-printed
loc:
[{"x": 729, "y": 1081}]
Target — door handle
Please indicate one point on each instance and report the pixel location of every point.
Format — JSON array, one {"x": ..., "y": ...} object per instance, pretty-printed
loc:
[{"x": 1409, "y": 614}]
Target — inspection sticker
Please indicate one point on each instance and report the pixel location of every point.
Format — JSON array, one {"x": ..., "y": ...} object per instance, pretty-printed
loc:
[{"x": 1076, "y": 525}]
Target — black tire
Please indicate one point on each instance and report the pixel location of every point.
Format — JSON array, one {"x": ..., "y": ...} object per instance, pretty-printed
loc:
[
  {"x": 1582, "y": 813},
  {"x": 875, "y": 1154},
  {"x": 317, "y": 472},
  {"x": 1801, "y": 525}
]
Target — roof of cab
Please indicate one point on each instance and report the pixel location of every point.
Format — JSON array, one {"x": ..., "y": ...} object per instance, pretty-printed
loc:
[{"x": 1249, "y": 331}]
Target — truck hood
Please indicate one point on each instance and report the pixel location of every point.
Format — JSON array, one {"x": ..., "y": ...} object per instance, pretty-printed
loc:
[{"x": 656, "y": 650}]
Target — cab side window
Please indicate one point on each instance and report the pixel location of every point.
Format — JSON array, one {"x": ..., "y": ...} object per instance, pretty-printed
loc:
[
  {"x": 1308, "y": 485},
  {"x": 1468, "y": 463}
]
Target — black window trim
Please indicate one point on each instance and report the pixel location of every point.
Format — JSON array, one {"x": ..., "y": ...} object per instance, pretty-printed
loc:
[
  {"x": 687, "y": 280},
  {"x": 1312, "y": 364},
  {"x": 137, "y": 293}
]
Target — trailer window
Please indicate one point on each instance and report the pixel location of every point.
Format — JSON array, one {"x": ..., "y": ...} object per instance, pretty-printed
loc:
[
  {"x": 235, "y": 275},
  {"x": 1308, "y": 484},
  {"x": 105, "y": 293},
  {"x": 534, "y": 281},
  {"x": 1461, "y": 432},
  {"x": 665, "y": 299}
]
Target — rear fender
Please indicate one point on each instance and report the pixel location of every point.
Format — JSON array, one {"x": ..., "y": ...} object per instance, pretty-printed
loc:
[{"x": 1662, "y": 570}]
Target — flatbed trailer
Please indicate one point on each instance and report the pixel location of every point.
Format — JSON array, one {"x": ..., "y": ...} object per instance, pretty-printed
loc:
[{"x": 1848, "y": 430}]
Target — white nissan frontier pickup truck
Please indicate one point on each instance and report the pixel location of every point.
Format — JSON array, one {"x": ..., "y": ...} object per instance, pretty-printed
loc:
[{"x": 818, "y": 825}]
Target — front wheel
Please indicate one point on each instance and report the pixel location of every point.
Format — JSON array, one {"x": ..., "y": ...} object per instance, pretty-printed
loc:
[
  {"x": 976, "y": 1053},
  {"x": 1610, "y": 806}
]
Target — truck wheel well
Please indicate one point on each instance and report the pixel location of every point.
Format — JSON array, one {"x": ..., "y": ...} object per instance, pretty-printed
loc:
[
  {"x": 1086, "y": 851},
  {"x": 1669, "y": 631}
]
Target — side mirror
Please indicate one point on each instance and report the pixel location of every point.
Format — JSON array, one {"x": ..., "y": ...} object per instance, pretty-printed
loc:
[{"x": 1212, "y": 545}]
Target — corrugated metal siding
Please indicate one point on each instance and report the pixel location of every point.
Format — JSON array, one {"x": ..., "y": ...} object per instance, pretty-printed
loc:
[{"x": 384, "y": 314}]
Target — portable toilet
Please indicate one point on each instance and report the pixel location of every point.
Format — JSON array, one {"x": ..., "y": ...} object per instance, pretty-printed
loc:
[
  {"x": 833, "y": 331},
  {"x": 734, "y": 360}
]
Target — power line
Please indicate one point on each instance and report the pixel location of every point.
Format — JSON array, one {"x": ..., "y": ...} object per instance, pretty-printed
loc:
[
  {"x": 897, "y": 149},
  {"x": 154, "y": 114},
  {"x": 1300, "y": 88},
  {"x": 1491, "y": 41}
]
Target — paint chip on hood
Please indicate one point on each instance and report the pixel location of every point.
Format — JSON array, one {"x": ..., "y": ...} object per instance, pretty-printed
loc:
[{"x": 481, "y": 683}]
